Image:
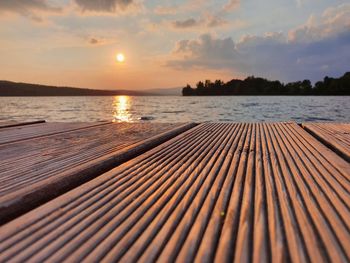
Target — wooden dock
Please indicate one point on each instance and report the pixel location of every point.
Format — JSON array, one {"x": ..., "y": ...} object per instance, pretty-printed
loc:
[
  {"x": 335, "y": 136},
  {"x": 42, "y": 161},
  {"x": 211, "y": 192}
]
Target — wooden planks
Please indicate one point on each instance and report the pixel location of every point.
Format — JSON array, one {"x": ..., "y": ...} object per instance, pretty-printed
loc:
[
  {"x": 218, "y": 192},
  {"x": 334, "y": 135},
  {"x": 20, "y": 133},
  {"x": 34, "y": 171},
  {"x": 8, "y": 124}
]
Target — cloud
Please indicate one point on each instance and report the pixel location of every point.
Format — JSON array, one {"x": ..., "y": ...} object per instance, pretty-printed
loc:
[
  {"x": 205, "y": 21},
  {"x": 208, "y": 19},
  {"x": 253, "y": 41},
  {"x": 231, "y": 5},
  {"x": 216, "y": 21},
  {"x": 332, "y": 22},
  {"x": 28, "y": 8},
  {"x": 98, "y": 41},
  {"x": 94, "y": 41},
  {"x": 273, "y": 55},
  {"x": 204, "y": 52},
  {"x": 109, "y": 6},
  {"x": 300, "y": 3},
  {"x": 183, "y": 8},
  {"x": 320, "y": 46},
  {"x": 191, "y": 22},
  {"x": 165, "y": 10}
]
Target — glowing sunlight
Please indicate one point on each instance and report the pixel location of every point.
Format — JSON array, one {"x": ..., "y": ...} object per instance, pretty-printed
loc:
[
  {"x": 120, "y": 57},
  {"x": 121, "y": 109}
]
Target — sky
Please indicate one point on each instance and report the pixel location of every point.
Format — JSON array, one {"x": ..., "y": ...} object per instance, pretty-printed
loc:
[{"x": 171, "y": 43}]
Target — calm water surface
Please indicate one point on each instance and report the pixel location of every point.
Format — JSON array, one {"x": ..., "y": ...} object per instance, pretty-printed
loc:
[{"x": 176, "y": 108}]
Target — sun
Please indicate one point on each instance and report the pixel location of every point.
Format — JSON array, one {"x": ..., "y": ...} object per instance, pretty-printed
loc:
[{"x": 120, "y": 57}]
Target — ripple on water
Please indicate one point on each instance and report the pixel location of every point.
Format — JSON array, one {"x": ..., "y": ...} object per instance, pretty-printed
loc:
[
  {"x": 225, "y": 120},
  {"x": 175, "y": 111},
  {"x": 147, "y": 118},
  {"x": 252, "y": 104},
  {"x": 311, "y": 119}
]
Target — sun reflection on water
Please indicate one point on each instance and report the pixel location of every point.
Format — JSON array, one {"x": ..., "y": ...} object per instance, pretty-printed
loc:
[{"x": 121, "y": 111}]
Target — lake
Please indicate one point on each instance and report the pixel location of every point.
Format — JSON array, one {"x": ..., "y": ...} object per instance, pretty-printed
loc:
[{"x": 177, "y": 108}]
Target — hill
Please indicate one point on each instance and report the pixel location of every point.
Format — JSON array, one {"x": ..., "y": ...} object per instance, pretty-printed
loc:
[
  {"x": 8, "y": 88},
  {"x": 166, "y": 92}
]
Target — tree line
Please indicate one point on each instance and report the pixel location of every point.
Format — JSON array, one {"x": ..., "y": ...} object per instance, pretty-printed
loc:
[{"x": 260, "y": 86}]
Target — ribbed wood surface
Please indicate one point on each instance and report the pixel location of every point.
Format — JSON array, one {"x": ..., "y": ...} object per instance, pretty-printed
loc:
[
  {"x": 6, "y": 124},
  {"x": 218, "y": 192},
  {"x": 334, "y": 135},
  {"x": 33, "y": 171},
  {"x": 20, "y": 133}
]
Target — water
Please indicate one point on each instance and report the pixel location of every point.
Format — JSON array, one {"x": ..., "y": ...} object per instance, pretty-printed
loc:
[{"x": 176, "y": 108}]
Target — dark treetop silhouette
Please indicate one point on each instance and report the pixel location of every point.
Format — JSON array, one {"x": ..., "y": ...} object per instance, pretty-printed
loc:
[{"x": 260, "y": 86}]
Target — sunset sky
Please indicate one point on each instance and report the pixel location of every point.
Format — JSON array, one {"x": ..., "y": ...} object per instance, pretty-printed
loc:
[{"x": 171, "y": 43}]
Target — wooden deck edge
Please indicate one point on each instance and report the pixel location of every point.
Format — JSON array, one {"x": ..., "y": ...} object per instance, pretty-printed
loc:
[
  {"x": 324, "y": 141},
  {"x": 21, "y": 124},
  {"x": 20, "y": 202},
  {"x": 58, "y": 132}
]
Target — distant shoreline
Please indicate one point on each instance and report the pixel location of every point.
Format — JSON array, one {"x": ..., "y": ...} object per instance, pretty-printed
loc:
[
  {"x": 122, "y": 94},
  {"x": 271, "y": 95},
  {"x": 18, "y": 89},
  {"x": 256, "y": 86},
  {"x": 161, "y": 95}
]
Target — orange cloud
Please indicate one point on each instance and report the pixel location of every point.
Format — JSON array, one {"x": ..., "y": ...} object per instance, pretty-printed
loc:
[{"x": 28, "y": 8}]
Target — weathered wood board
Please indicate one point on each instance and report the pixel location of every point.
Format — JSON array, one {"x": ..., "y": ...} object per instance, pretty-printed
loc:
[
  {"x": 218, "y": 192},
  {"x": 7, "y": 124},
  {"x": 34, "y": 171},
  {"x": 334, "y": 135},
  {"x": 21, "y": 133}
]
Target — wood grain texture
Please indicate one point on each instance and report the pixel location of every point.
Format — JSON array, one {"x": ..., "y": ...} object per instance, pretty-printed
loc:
[
  {"x": 334, "y": 135},
  {"x": 21, "y": 133},
  {"x": 36, "y": 170},
  {"x": 7, "y": 124},
  {"x": 219, "y": 192}
]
